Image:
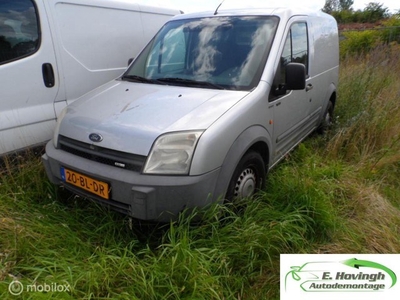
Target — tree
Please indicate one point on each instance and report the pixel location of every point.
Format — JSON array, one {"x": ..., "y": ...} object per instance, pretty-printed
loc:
[
  {"x": 346, "y": 5},
  {"x": 343, "y": 12},
  {"x": 337, "y": 6},
  {"x": 331, "y": 6},
  {"x": 375, "y": 12}
]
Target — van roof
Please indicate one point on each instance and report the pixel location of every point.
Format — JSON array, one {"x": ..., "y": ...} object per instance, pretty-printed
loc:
[
  {"x": 128, "y": 5},
  {"x": 282, "y": 12}
]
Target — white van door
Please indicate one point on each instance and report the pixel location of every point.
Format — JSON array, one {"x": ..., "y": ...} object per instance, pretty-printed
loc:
[
  {"x": 95, "y": 40},
  {"x": 292, "y": 109},
  {"x": 28, "y": 75}
]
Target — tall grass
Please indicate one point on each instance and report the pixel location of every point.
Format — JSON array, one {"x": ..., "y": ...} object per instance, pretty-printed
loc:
[
  {"x": 370, "y": 117},
  {"x": 336, "y": 193}
]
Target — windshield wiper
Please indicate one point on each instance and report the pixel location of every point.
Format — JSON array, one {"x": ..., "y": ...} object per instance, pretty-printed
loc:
[
  {"x": 191, "y": 82},
  {"x": 136, "y": 78}
]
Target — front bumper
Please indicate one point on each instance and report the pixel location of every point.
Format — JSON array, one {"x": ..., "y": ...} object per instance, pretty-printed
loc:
[{"x": 145, "y": 197}]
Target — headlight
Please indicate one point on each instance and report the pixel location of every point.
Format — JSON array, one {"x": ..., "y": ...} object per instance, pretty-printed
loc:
[
  {"x": 57, "y": 129},
  {"x": 172, "y": 153}
]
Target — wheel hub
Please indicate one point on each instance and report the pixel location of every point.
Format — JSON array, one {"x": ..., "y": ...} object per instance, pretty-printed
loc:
[
  {"x": 328, "y": 119},
  {"x": 246, "y": 184}
]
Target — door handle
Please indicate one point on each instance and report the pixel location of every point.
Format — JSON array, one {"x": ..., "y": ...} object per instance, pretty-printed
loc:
[
  {"x": 309, "y": 87},
  {"x": 48, "y": 75}
]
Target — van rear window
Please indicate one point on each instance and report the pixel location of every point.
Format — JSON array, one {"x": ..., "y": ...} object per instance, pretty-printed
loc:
[{"x": 214, "y": 52}]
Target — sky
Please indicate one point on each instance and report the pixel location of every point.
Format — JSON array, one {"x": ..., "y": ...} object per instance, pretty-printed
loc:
[{"x": 202, "y": 5}]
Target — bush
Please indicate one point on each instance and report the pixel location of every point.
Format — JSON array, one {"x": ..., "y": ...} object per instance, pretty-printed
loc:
[
  {"x": 359, "y": 42},
  {"x": 391, "y": 33},
  {"x": 344, "y": 16}
]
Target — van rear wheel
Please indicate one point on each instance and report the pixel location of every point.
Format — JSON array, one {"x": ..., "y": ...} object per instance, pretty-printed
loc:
[
  {"x": 248, "y": 178},
  {"x": 327, "y": 120}
]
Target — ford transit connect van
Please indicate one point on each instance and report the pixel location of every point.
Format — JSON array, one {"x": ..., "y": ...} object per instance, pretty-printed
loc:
[
  {"x": 212, "y": 103},
  {"x": 54, "y": 51}
]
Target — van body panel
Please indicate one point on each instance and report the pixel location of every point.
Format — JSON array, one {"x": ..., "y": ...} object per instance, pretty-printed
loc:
[
  {"x": 250, "y": 112},
  {"x": 81, "y": 44},
  {"x": 86, "y": 53},
  {"x": 139, "y": 113},
  {"x": 253, "y": 135},
  {"x": 134, "y": 193},
  {"x": 175, "y": 88}
]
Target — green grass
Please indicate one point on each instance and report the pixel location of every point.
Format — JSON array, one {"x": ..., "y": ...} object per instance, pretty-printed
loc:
[{"x": 337, "y": 193}]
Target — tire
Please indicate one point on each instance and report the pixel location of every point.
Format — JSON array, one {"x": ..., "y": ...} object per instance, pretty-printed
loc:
[
  {"x": 248, "y": 178},
  {"x": 327, "y": 120}
]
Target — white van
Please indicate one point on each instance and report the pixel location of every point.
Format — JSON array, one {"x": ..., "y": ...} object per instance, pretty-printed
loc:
[
  {"x": 54, "y": 51},
  {"x": 212, "y": 103}
]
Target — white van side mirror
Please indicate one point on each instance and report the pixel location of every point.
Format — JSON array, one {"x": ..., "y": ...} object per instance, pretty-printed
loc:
[{"x": 295, "y": 76}]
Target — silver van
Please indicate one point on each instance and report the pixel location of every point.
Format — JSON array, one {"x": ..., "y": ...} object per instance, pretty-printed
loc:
[{"x": 212, "y": 103}]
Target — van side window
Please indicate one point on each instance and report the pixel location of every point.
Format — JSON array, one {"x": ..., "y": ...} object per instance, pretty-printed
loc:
[
  {"x": 19, "y": 29},
  {"x": 300, "y": 44},
  {"x": 294, "y": 50}
]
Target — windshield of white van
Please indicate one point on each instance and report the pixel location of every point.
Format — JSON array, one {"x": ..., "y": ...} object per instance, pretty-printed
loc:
[{"x": 214, "y": 52}]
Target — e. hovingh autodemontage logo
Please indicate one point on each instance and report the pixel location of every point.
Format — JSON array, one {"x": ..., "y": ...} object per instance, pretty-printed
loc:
[{"x": 351, "y": 275}]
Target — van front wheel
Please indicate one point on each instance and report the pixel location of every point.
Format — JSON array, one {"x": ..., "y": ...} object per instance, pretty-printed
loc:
[{"x": 248, "y": 178}]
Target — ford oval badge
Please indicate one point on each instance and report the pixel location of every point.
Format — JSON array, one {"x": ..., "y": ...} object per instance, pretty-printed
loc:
[{"x": 95, "y": 137}]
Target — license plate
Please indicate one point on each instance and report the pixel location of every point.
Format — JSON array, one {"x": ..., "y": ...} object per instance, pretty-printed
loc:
[{"x": 96, "y": 187}]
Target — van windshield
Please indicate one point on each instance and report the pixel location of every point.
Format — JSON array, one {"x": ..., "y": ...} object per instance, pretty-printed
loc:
[{"x": 214, "y": 52}]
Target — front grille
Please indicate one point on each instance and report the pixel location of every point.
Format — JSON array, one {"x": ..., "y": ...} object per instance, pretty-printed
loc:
[{"x": 102, "y": 155}]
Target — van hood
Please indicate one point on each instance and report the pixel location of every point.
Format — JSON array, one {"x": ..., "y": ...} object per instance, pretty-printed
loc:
[{"x": 130, "y": 116}]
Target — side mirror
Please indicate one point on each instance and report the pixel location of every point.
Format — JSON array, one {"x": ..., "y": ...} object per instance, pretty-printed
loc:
[
  {"x": 130, "y": 61},
  {"x": 295, "y": 76}
]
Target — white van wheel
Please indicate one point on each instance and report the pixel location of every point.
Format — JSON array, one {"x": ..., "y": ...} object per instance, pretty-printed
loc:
[{"x": 248, "y": 178}]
